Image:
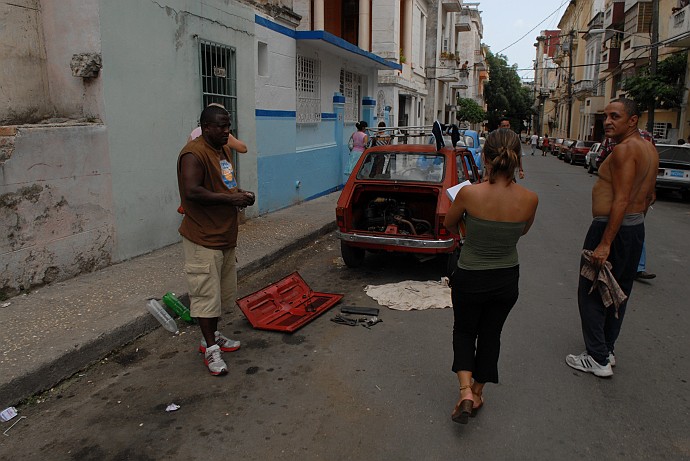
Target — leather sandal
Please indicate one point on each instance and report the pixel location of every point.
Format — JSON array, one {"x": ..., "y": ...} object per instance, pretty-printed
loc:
[{"x": 463, "y": 409}]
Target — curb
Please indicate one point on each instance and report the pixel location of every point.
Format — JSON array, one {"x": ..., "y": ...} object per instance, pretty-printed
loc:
[{"x": 66, "y": 365}]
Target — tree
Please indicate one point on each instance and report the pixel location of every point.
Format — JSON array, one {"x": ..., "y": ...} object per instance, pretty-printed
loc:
[
  {"x": 665, "y": 87},
  {"x": 470, "y": 111},
  {"x": 505, "y": 95}
]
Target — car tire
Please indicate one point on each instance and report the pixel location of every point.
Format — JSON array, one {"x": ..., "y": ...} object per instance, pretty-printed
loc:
[
  {"x": 590, "y": 170},
  {"x": 685, "y": 194},
  {"x": 353, "y": 256}
]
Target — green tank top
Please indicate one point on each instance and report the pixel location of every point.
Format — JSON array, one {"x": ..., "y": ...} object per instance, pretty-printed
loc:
[{"x": 490, "y": 244}]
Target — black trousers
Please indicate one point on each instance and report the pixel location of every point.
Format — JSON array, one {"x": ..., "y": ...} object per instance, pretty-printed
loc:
[
  {"x": 482, "y": 300},
  {"x": 600, "y": 327}
]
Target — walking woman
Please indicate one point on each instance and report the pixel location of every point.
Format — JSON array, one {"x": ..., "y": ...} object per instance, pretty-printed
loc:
[
  {"x": 496, "y": 214},
  {"x": 360, "y": 139}
]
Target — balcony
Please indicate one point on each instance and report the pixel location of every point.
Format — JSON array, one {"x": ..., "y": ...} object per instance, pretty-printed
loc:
[
  {"x": 614, "y": 15},
  {"x": 679, "y": 28},
  {"x": 610, "y": 59},
  {"x": 451, "y": 6},
  {"x": 462, "y": 22},
  {"x": 582, "y": 89},
  {"x": 462, "y": 83}
]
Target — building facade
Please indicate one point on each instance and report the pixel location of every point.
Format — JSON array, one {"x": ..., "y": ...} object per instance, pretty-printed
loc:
[
  {"x": 92, "y": 119},
  {"x": 603, "y": 44}
]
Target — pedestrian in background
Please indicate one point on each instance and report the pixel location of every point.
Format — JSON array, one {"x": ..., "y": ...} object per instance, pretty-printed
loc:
[
  {"x": 616, "y": 233},
  {"x": 211, "y": 197},
  {"x": 359, "y": 140},
  {"x": 505, "y": 123},
  {"x": 534, "y": 140},
  {"x": 545, "y": 145},
  {"x": 496, "y": 213}
]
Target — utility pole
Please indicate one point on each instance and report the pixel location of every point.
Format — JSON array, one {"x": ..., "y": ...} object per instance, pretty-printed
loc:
[
  {"x": 653, "y": 59},
  {"x": 570, "y": 80}
]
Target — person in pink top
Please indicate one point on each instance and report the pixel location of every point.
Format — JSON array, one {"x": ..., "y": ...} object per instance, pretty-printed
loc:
[{"x": 360, "y": 139}]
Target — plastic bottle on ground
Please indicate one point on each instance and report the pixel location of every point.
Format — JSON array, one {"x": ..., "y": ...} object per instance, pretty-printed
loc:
[
  {"x": 176, "y": 305},
  {"x": 162, "y": 316}
]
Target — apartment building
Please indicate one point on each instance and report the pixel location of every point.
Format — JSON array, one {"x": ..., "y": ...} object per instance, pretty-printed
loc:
[
  {"x": 545, "y": 81},
  {"x": 603, "y": 44}
]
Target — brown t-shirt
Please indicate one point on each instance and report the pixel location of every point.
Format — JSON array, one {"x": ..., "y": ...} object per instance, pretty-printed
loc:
[{"x": 211, "y": 226}]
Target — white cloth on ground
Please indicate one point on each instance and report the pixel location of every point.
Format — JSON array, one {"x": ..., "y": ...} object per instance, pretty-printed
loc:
[{"x": 410, "y": 294}]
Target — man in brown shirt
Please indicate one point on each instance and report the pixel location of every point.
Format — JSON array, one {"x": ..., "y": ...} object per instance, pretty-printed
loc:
[
  {"x": 620, "y": 199},
  {"x": 210, "y": 197}
]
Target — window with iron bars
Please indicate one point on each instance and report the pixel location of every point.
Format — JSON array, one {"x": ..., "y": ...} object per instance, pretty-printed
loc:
[
  {"x": 660, "y": 130},
  {"x": 218, "y": 70},
  {"x": 308, "y": 80},
  {"x": 350, "y": 87},
  {"x": 219, "y": 78}
]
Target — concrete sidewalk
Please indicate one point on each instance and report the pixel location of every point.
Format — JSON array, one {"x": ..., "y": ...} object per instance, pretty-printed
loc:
[{"x": 57, "y": 330}]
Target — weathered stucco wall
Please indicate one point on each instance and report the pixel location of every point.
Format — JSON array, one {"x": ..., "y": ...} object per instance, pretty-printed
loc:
[
  {"x": 55, "y": 205},
  {"x": 23, "y": 78},
  {"x": 152, "y": 93},
  {"x": 71, "y": 27}
]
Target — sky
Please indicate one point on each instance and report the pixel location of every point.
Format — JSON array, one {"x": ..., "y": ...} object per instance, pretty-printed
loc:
[{"x": 506, "y": 21}]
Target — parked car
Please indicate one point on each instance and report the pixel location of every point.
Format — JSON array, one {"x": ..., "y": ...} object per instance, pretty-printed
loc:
[
  {"x": 474, "y": 145},
  {"x": 674, "y": 168},
  {"x": 565, "y": 145},
  {"x": 395, "y": 201},
  {"x": 591, "y": 157},
  {"x": 576, "y": 152},
  {"x": 556, "y": 145}
]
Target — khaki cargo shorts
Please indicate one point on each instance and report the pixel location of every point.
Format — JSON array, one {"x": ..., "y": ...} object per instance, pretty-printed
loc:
[{"x": 211, "y": 278}]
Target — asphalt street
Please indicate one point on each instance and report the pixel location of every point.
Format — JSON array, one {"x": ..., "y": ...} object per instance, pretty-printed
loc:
[{"x": 334, "y": 392}]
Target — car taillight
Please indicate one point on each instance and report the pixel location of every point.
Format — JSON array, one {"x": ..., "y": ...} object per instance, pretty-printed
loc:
[
  {"x": 442, "y": 231},
  {"x": 340, "y": 217}
]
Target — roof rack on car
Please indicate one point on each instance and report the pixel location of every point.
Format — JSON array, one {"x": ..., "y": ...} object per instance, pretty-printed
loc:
[{"x": 401, "y": 134}]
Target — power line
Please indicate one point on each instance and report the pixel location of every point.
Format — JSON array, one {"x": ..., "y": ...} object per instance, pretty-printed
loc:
[{"x": 532, "y": 29}]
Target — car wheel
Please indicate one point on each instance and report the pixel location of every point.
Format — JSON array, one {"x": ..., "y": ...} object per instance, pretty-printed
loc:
[
  {"x": 353, "y": 256},
  {"x": 685, "y": 194},
  {"x": 452, "y": 261},
  {"x": 590, "y": 170}
]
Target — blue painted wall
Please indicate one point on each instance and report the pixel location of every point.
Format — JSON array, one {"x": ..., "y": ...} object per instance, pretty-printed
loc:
[{"x": 295, "y": 162}]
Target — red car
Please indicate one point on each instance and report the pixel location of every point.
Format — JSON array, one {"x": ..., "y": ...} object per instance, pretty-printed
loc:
[
  {"x": 576, "y": 152},
  {"x": 395, "y": 201}
]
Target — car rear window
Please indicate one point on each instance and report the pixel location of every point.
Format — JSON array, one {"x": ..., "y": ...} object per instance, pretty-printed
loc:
[
  {"x": 674, "y": 153},
  {"x": 585, "y": 143},
  {"x": 403, "y": 166}
]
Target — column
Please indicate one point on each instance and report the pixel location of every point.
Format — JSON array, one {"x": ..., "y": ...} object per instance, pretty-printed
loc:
[
  {"x": 407, "y": 31},
  {"x": 339, "y": 135},
  {"x": 369, "y": 111},
  {"x": 319, "y": 23},
  {"x": 364, "y": 24}
]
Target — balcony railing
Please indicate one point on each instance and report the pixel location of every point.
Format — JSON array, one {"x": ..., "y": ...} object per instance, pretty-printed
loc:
[
  {"x": 462, "y": 22},
  {"x": 451, "y": 5},
  {"x": 447, "y": 70},
  {"x": 583, "y": 88},
  {"x": 679, "y": 28}
]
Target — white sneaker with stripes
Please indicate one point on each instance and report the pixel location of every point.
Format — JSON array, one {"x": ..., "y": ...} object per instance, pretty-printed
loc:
[{"x": 584, "y": 362}]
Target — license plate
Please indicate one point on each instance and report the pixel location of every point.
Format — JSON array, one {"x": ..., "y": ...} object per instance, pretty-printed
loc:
[{"x": 677, "y": 173}]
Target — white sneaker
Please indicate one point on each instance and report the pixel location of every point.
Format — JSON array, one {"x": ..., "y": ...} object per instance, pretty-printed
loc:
[
  {"x": 612, "y": 359},
  {"x": 214, "y": 361},
  {"x": 225, "y": 344},
  {"x": 584, "y": 362}
]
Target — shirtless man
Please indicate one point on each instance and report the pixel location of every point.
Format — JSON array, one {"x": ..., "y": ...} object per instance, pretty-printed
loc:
[{"x": 620, "y": 199}]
